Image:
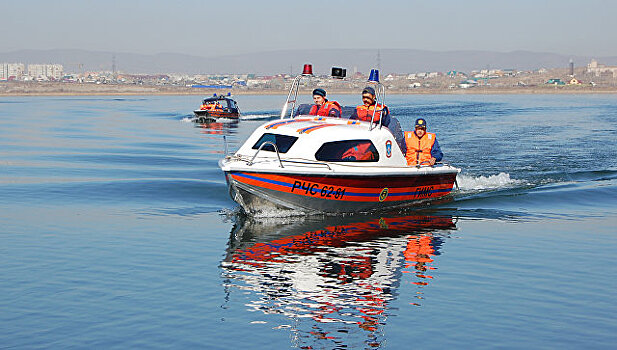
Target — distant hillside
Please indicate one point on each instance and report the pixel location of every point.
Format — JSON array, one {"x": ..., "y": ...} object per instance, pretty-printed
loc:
[{"x": 275, "y": 62}]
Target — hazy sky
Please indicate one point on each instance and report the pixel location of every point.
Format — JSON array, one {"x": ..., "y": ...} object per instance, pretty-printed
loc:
[{"x": 212, "y": 28}]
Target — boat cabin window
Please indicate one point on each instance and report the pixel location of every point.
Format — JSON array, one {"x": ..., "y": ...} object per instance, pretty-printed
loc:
[
  {"x": 348, "y": 151},
  {"x": 282, "y": 142}
]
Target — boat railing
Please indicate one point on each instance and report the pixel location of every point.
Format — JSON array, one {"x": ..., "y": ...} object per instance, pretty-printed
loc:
[
  {"x": 427, "y": 164},
  {"x": 307, "y": 162},
  {"x": 380, "y": 92},
  {"x": 261, "y": 147},
  {"x": 295, "y": 85}
]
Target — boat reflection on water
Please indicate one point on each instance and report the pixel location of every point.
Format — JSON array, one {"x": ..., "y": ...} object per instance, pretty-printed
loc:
[
  {"x": 225, "y": 127},
  {"x": 333, "y": 279}
]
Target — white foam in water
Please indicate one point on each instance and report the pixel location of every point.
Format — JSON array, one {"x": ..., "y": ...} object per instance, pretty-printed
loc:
[
  {"x": 264, "y": 214},
  {"x": 225, "y": 120},
  {"x": 467, "y": 183},
  {"x": 278, "y": 214},
  {"x": 256, "y": 116}
]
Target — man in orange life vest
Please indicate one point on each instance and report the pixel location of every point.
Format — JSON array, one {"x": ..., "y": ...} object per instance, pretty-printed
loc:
[
  {"x": 213, "y": 106},
  {"x": 323, "y": 107},
  {"x": 422, "y": 146},
  {"x": 365, "y": 111}
]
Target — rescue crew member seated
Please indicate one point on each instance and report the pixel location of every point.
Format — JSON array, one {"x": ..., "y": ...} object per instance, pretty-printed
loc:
[
  {"x": 322, "y": 106},
  {"x": 367, "y": 108},
  {"x": 365, "y": 112},
  {"x": 422, "y": 146},
  {"x": 212, "y": 106}
]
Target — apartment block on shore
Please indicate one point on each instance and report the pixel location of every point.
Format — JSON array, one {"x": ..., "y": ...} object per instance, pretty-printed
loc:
[{"x": 40, "y": 72}]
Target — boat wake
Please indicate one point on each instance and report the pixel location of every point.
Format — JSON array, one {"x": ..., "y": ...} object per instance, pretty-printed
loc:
[
  {"x": 544, "y": 193},
  {"x": 258, "y": 116},
  {"x": 226, "y": 120},
  {"x": 480, "y": 183},
  {"x": 282, "y": 216}
]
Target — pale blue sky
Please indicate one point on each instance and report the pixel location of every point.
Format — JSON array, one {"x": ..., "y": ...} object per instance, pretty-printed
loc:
[{"x": 187, "y": 26}]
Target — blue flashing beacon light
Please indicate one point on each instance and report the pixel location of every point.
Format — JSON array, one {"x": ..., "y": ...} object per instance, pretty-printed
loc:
[{"x": 374, "y": 76}]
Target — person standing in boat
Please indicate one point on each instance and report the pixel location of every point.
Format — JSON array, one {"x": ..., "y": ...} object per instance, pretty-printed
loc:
[
  {"x": 322, "y": 106},
  {"x": 422, "y": 146}
]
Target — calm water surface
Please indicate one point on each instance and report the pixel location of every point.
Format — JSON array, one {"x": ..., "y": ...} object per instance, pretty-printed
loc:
[{"x": 117, "y": 231}]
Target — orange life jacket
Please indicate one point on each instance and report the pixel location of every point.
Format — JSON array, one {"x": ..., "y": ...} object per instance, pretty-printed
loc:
[
  {"x": 360, "y": 152},
  {"x": 324, "y": 110},
  {"x": 211, "y": 107},
  {"x": 418, "y": 150},
  {"x": 366, "y": 113}
]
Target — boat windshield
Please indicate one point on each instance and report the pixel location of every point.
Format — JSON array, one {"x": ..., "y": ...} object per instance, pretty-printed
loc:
[
  {"x": 305, "y": 109},
  {"x": 282, "y": 142}
]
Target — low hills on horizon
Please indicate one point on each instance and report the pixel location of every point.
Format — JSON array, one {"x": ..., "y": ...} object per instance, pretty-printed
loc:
[{"x": 291, "y": 61}]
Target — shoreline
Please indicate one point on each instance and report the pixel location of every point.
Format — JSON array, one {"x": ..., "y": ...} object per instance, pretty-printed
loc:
[{"x": 10, "y": 90}]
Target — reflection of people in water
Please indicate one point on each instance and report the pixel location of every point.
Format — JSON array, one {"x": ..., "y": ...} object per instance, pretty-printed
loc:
[
  {"x": 217, "y": 128},
  {"x": 336, "y": 276},
  {"x": 418, "y": 254},
  {"x": 213, "y": 128}
]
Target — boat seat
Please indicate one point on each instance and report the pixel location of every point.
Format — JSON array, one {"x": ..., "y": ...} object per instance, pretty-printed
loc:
[
  {"x": 303, "y": 109},
  {"x": 347, "y": 111}
]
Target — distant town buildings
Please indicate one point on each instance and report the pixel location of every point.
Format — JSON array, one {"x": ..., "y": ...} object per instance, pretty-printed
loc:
[
  {"x": 575, "y": 81},
  {"x": 40, "y": 72},
  {"x": 45, "y": 71},
  {"x": 594, "y": 74},
  {"x": 598, "y": 69},
  {"x": 11, "y": 71}
]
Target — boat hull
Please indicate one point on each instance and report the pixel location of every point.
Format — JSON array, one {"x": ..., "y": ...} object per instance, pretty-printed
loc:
[
  {"x": 257, "y": 192},
  {"x": 203, "y": 116}
]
